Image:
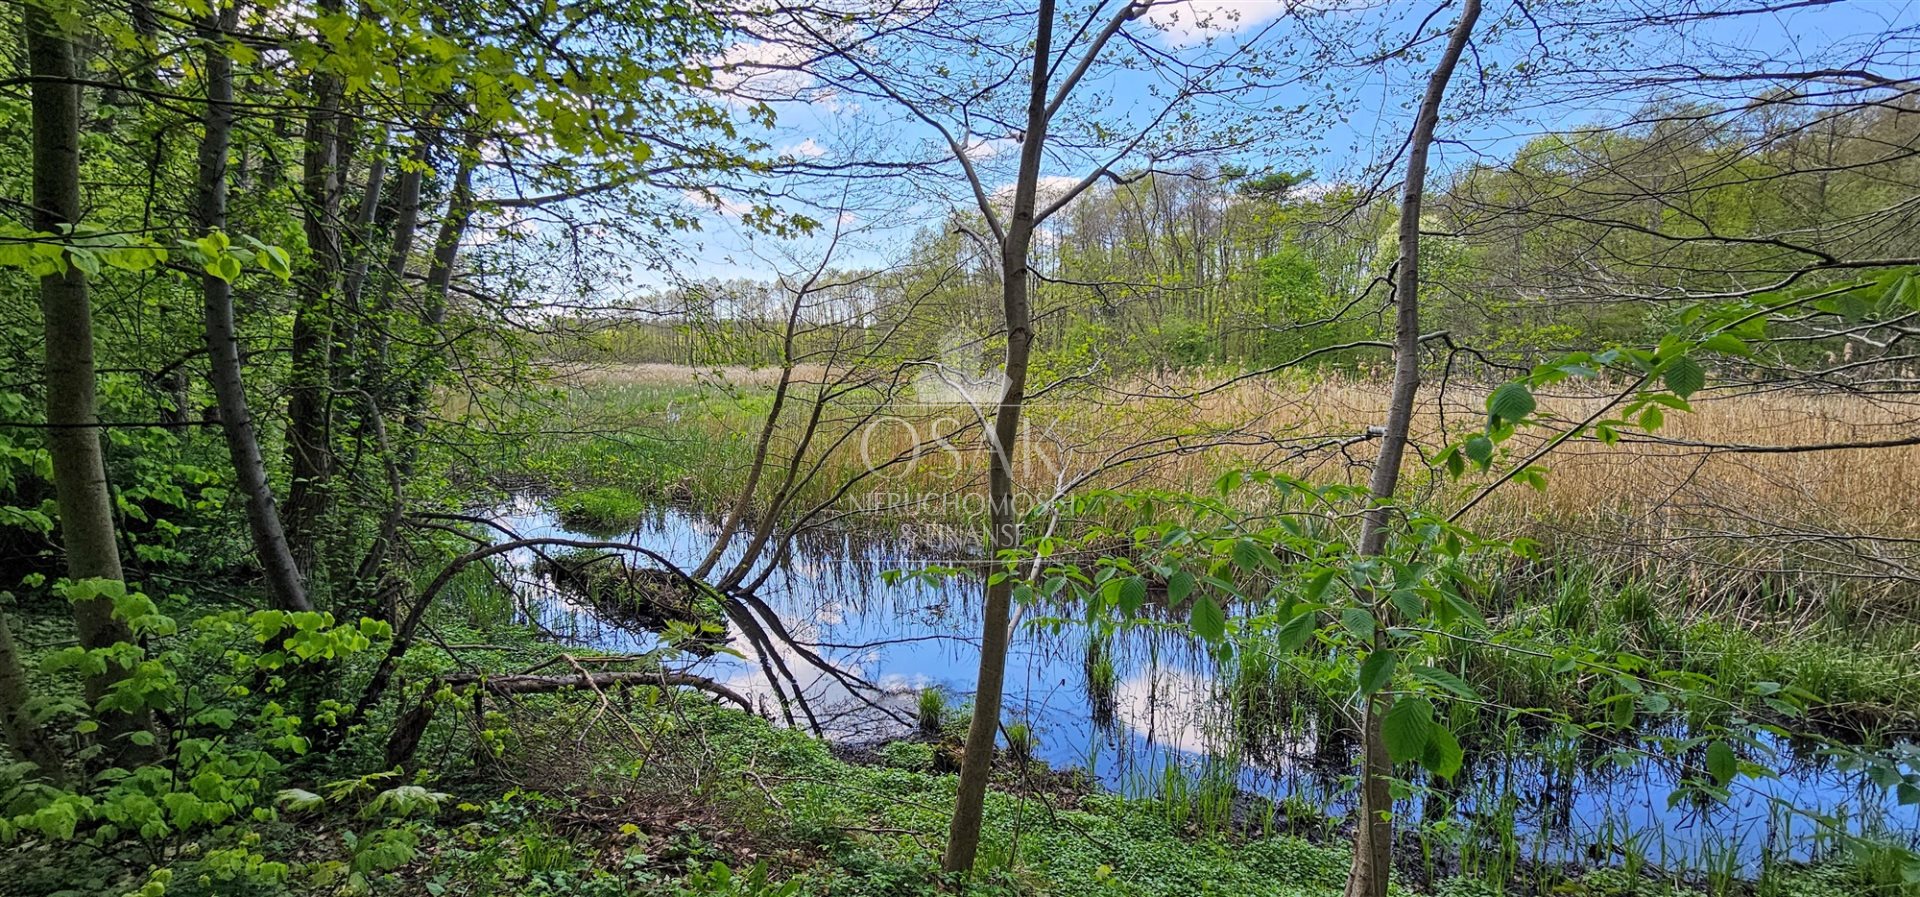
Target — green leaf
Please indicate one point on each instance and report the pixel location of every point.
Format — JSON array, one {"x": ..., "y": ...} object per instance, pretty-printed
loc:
[
  {"x": 1179, "y": 586},
  {"x": 1407, "y": 728},
  {"x": 1684, "y": 376},
  {"x": 1318, "y": 584},
  {"x": 1249, "y": 556},
  {"x": 1729, "y": 344},
  {"x": 1359, "y": 622},
  {"x": 298, "y": 800},
  {"x": 1407, "y": 603},
  {"x": 1229, "y": 481},
  {"x": 1721, "y": 764},
  {"x": 1442, "y": 679},
  {"x": 1443, "y": 755},
  {"x": 1295, "y": 633},
  {"x": 1207, "y": 620},
  {"x": 1906, "y": 292},
  {"x": 1480, "y": 449},
  {"x": 1511, "y": 402},
  {"x": 1132, "y": 594},
  {"x": 1533, "y": 477},
  {"x": 1377, "y": 670}
]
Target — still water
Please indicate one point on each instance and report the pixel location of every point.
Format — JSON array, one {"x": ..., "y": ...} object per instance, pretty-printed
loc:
[{"x": 1165, "y": 716}]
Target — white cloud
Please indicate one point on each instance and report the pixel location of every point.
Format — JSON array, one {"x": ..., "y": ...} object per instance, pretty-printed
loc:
[
  {"x": 1315, "y": 191},
  {"x": 830, "y": 101},
  {"x": 717, "y": 203},
  {"x": 1183, "y": 23},
  {"x": 760, "y": 70},
  {"x": 805, "y": 149},
  {"x": 1050, "y": 188},
  {"x": 979, "y": 148}
]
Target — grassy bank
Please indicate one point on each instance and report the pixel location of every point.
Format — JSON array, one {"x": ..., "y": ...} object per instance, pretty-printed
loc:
[
  {"x": 692, "y": 789},
  {"x": 683, "y": 798}
]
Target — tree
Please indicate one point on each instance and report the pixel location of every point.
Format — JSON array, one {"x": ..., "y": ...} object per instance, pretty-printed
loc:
[
  {"x": 1373, "y": 836},
  {"x": 285, "y": 582},
  {"x": 954, "y": 71},
  {"x": 73, "y": 434},
  {"x": 22, "y": 731}
]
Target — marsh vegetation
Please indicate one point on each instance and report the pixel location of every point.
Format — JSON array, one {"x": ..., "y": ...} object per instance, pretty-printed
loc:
[{"x": 1161, "y": 447}]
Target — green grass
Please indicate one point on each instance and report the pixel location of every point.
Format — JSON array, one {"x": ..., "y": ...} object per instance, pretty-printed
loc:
[
  {"x": 739, "y": 791},
  {"x": 688, "y": 442},
  {"x": 1861, "y": 682},
  {"x": 601, "y": 510}
]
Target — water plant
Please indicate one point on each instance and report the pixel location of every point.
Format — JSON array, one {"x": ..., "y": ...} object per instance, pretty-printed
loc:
[
  {"x": 931, "y": 711},
  {"x": 602, "y": 510},
  {"x": 1021, "y": 742}
]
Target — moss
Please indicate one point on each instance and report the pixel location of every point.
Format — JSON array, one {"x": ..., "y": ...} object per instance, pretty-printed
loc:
[{"x": 639, "y": 599}]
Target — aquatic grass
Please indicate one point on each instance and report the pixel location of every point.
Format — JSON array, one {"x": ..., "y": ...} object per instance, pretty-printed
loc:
[
  {"x": 602, "y": 510},
  {"x": 1021, "y": 741},
  {"x": 1103, "y": 680},
  {"x": 931, "y": 711},
  {"x": 483, "y": 602}
]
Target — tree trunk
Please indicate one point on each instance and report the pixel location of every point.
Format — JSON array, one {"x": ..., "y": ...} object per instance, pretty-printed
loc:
[
  {"x": 744, "y": 502},
  {"x": 363, "y": 232},
  {"x": 387, "y": 281},
  {"x": 310, "y": 399},
  {"x": 446, "y": 252},
  {"x": 26, "y": 737},
  {"x": 285, "y": 585},
  {"x": 1373, "y": 836},
  {"x": 976, "y": 763},
  {"x": 73, "y": 437},
  {"x": 411, "y": 725}
]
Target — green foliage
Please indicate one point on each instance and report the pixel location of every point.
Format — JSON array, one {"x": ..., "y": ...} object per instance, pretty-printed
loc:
[
  {"x": 931, "y": 710},
  {"x": 608, "y": 510},
  {"x": 226, "y": 685},
  {"x": 720, "y": 880},
  {"x": 916, "y": 756}
]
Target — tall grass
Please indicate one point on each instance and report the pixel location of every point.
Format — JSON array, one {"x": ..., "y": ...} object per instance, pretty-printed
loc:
[{"x": 690, "y": 428}]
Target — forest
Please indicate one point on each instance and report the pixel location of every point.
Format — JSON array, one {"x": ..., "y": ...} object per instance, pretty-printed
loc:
[{"x": 885, "y": 448}]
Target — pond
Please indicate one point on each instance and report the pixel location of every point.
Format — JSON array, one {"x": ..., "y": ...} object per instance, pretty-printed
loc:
[{"x": 1159, "y": 723}]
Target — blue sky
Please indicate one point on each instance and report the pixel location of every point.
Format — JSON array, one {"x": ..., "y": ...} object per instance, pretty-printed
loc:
[{"x": 1343, "y": 125}]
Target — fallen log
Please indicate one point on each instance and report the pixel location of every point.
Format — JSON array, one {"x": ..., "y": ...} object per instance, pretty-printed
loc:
[
  {"x": 528, "y": 683},
  {"x": 408, "y": 730}
]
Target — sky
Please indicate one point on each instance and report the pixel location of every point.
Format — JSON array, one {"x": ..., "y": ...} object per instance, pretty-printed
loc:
[{"x": 1345, "y": 126}]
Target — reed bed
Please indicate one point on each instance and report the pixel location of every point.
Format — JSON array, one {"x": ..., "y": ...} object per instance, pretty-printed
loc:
[
  {"x": 1705, "y": 503},
  {"x": 1182, "y": 433}
]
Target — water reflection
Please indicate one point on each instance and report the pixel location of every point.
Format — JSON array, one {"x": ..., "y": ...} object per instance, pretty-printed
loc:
[{"x": 1131, "y": 706}]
